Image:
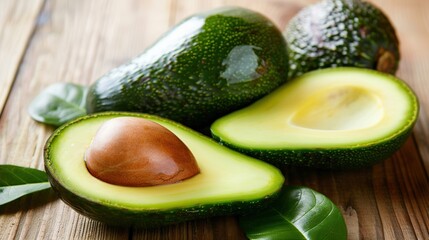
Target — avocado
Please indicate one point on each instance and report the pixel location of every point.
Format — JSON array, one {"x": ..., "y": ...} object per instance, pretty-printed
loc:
[
  {"x": 228, "y": 182},
  {"x": 208, "y": 65},
  {"x": 333, "y": 33},
  {"x": 334, "y": 118}
]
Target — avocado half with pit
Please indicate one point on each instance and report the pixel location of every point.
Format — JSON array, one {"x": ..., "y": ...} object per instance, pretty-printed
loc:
[
  {"x": 228, "y": 183},
  {"x": 332, "y": 118}
]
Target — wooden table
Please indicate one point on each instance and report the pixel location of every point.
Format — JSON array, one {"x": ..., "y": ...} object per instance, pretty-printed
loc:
[{"x": 48, "y": 41}]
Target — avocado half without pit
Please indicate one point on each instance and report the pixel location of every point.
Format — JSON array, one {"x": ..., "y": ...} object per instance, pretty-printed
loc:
[
  {"x": 124, "y": 169},
  {"x": 333, "y": 118}
]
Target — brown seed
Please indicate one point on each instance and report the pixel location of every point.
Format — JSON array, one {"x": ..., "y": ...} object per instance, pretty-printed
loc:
[{"x": 133, "y": 151}]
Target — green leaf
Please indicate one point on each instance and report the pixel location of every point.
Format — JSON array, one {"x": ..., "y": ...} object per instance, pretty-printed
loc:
[
  {"x": 298, "y": 213},
  {"x": 59, "y": 103},
  {"x": 16, "y": 182}
]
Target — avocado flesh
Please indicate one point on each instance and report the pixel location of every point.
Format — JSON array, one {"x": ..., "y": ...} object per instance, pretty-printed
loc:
[
  {"x": 330, "y": 118},
  {"x": 206, "y": 66},
  {"x": 228, "y": 183},
  {"x": 334, "y": 33}
]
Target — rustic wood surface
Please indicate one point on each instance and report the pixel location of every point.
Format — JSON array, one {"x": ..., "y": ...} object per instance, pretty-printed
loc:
[{"x": 48, "y": 41}]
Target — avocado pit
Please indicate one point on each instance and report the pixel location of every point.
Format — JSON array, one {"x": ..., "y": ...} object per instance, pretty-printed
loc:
[{"x": 136, "y": 152}]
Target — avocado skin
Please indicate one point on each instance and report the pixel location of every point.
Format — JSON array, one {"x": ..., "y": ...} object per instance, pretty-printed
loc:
[
  {"x": 115, "y": 216},
  {"x": 208, "y": 65},
  {"x": 336, "y": 158},
  {"x": 336, "y": 33}
]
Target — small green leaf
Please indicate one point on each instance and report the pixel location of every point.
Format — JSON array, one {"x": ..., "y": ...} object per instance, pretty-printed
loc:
[
  {"x": 298, "y": 213},
  {"x": 8, "y": 194},
  {"x": 59, "y": 103},
  {"x": 16, "y": 175},
  {"x": 16, "y": 182}
]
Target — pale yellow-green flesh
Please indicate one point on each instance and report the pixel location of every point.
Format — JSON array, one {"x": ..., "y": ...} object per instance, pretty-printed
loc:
[
  {"x": 225, "y": 176},
  {"x": 327, "y": 109}
]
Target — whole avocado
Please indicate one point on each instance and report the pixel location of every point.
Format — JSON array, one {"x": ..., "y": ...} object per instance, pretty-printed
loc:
[
  {"x": 208, "y": 65},
  {"x": 333, "y": 33}
]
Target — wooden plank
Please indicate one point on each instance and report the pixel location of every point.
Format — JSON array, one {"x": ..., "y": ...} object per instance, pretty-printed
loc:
[
  {"x": 17, "y": 21},
  {"x": 412, "y": 24}
]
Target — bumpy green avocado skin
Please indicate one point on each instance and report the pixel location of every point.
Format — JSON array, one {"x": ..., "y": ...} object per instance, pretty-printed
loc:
[
  {"x": 208, "y": 65},
  {"x": 116, "y": 216},
  {"x": 336, "y": 33},
  {"x": 337, "y": 158}
]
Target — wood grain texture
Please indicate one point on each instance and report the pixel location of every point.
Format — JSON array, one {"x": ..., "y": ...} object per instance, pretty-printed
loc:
[
  {"x": 77, "y": 41},
  {"x": 17, "y": 22},
  {"x": 412, "y": 25}
]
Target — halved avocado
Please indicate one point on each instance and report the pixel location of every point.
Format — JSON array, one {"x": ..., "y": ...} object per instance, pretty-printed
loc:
[
  {"x": 228, "y": 182},
  {"x": 332, "y": 118}
]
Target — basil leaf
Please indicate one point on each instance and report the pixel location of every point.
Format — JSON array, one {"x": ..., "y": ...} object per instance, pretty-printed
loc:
[
  {"x": 298, "y": 213},
  {"x": 59, "y": 103},
  {"x": 16, "y": 182}
]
